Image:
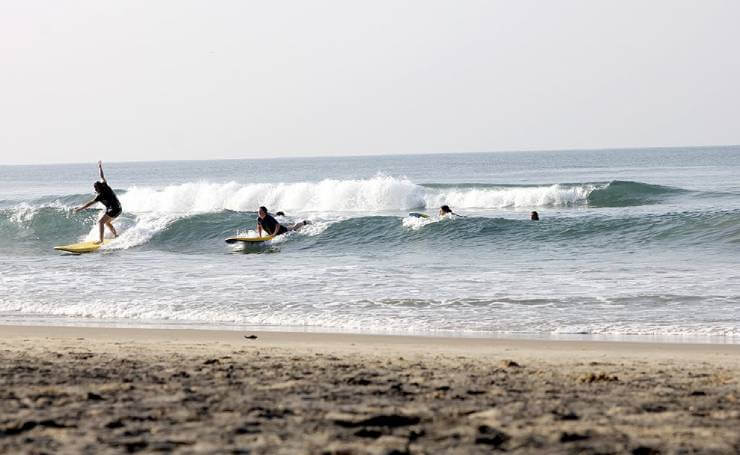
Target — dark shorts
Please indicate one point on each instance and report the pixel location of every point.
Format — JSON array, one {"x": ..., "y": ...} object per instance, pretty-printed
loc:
[
  {"x": 282, "y": 230},
  {"x": 113, "y": 212}
]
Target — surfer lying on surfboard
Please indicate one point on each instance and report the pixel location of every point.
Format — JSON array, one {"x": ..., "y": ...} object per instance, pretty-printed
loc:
[
  {"x": 446, "y": 210},
  {"x": 107, "y": 197},
  {"x": 272, "y": 226},
  {"x": 443, "y": 211}
]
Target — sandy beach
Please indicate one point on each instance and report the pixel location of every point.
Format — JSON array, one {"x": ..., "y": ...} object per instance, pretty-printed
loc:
[{"x": 104, "y": 390}]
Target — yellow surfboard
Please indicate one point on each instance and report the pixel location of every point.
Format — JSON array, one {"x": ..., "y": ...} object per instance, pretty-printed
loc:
[
  {"x": 248, "y": 240},
  {"x": 83, "y": 247}
]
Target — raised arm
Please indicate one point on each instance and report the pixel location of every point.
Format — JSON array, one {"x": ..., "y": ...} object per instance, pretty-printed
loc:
[{"x": 100, "y": 168}]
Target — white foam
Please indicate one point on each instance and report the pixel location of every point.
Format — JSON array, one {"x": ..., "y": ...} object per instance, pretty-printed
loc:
[
  {"x": 379, "y": 193},
  {"x": 510, "y": 197},
  {"x": 24, "y": 212},
  {"x": 416, "y": 223},
  {"x": 316, "y": 227},
  {"x": 138, "y": 233}
]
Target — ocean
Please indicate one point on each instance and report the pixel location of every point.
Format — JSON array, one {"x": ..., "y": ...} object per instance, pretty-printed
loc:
[{"x": 631, "y": 244}]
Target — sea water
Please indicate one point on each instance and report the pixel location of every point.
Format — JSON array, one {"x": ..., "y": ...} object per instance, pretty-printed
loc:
[{"x": 630, "y": 243}]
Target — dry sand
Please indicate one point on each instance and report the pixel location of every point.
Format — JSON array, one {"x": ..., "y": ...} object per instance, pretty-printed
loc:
[{"x": 94, "y": 390}]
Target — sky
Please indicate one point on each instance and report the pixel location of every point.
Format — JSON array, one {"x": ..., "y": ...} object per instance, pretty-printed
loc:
[{"x": 173, "y": 79}]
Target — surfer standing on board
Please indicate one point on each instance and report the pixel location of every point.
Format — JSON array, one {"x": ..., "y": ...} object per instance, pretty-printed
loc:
[
  {"x": 272, "y": 226},
  {"x": 108, "y": 198}
]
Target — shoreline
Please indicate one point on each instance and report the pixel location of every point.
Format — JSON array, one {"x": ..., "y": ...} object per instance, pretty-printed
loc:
[
  {"x": 334, "y": 340},
  {"x": 110, "y": 390},
  {"x": 185, "y": 328}
]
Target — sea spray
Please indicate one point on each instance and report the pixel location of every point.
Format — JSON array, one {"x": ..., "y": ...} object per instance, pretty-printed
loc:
[{"x": 379, "y": 193}]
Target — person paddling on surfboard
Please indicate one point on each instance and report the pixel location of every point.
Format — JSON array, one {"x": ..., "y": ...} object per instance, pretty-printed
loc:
[
  {"x": 272, "y": 226},
  {"x": 108, "y": 198},
  {"x": 446, "y": 210}
]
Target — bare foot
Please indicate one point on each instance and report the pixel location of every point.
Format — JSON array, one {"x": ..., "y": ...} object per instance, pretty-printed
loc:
[{"x": 98, "y": 242}]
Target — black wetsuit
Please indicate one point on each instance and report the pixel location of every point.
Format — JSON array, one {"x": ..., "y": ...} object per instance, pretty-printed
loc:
[
  {"x": 269, "y": 223},
  {"x": 108, "y": 198}
]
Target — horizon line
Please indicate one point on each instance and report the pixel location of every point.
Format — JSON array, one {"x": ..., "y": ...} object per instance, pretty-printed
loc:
[{"x": 362, "y": 155}]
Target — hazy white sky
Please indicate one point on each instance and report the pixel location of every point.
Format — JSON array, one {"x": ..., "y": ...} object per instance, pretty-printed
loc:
[{"x": 173, "y": 79}]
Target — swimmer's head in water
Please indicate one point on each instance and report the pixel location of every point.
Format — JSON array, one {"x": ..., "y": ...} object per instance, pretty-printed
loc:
[
  {"x": 444, "y": 210},
  {"x": 534, "y": 216},
  {"x": 280, "y": 214}
]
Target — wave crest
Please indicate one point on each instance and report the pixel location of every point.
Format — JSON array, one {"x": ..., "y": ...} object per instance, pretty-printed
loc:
[{"x": 380, "y": 193}]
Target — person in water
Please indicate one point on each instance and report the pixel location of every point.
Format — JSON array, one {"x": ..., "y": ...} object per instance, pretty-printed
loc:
[
  {"x": 271, "y": 226},
  {"x": 446, "y": 210},
  {"x": 534, "y": 216},
  {"x": 107, "y": 197}
]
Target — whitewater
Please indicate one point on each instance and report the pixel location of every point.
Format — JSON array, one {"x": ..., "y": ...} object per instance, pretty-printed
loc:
[{"x": 631, "y": 243}]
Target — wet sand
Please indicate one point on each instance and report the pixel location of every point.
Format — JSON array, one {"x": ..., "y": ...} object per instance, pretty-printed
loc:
[{"x": 101, "y": 390}]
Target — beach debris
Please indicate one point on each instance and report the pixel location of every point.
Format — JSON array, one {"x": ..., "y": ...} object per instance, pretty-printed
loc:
[
  {"x": 92, "y": 396},
  {"x": 134, "y": 446},
  {"x": 113, "y": 424},
  {"x": 457, "y": 433},
  {"x": 270, "y": 413},
  {"x": 644, "y": 450},
  {"x": 251, "y": 427},
  {"x": 30, "y": 425},
  {"x": 211, "y": 362},
  {"x": 81, "y": 355},
  {"x": 565, "y": 415},
  {"x": 597, "y": 377},
  {"x": 507, "y": 363},
  {"x": 572, "y": 437},
  {"x": 250, "y": 337},
  {"x": 653, "y": 407},
  {"x": 358, "y": 380},
  {"x": 393, "y": 420},
  {"x": 491, "y": 436}
]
